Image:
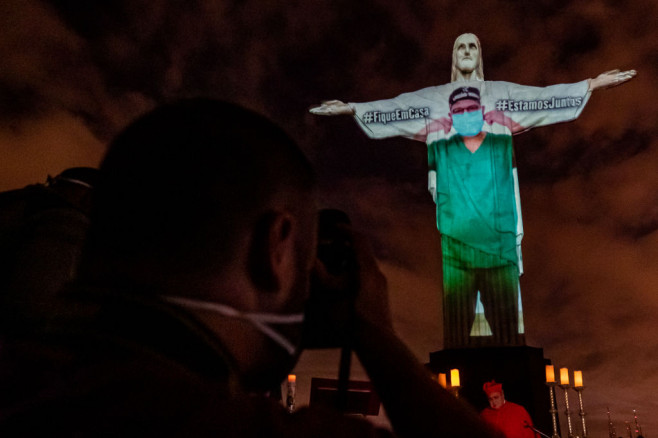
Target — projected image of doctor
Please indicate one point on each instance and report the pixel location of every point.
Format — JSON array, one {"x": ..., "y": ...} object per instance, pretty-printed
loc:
[
  {"x": 476, "y": 215},
  {"x": 468, "y": 126}
]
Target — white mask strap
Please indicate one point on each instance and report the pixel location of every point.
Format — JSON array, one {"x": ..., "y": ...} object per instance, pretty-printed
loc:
[{"x": 259, "y": 320}]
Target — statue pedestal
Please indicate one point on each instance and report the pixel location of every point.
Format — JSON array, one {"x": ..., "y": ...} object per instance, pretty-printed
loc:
[{"x": 521, "y": 370}]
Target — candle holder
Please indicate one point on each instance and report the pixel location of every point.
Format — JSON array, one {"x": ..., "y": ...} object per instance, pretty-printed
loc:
[
  {"x": 454, "y": 390},
  {"x": 565, "y": 388},
  {"x": 638, "y": 429},
  {"x": 553, "y": 410},
  {"x": 581, "y": 411},
  {"x": 290, "y": 393}
]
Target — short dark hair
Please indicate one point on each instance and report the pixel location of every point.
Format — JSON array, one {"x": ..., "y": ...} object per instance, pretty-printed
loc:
[{"x": 179, "y": 186}]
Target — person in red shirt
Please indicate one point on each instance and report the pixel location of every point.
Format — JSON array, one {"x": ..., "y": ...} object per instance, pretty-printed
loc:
[{"x": 509, "y": 418}]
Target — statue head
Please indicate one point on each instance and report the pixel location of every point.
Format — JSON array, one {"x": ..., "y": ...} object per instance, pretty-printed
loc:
[{"x": 467, "y": 59}]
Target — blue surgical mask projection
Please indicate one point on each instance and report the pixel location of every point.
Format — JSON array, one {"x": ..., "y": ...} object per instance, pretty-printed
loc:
[{"x": 468, "y": 124}]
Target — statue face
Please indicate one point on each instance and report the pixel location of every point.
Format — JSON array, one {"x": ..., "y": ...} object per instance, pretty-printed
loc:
[{"x": 467, "y": 53}]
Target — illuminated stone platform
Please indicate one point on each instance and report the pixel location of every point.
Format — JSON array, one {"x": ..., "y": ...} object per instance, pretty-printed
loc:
[{"x": 521, "y": 370}]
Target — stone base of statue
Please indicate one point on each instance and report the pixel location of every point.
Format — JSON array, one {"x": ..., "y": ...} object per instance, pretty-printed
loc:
[{"x": 521, "y": 370}]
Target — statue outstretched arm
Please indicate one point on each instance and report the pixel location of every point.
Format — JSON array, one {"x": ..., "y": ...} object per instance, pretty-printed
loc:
[
  {"x": 401, "y": 116},
  {"x": 611, "y": 78},
  {"x": 332, "y": 108}
]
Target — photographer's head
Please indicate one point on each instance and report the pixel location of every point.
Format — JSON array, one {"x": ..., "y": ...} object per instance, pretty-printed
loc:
[{"x": 210, "y": 202}]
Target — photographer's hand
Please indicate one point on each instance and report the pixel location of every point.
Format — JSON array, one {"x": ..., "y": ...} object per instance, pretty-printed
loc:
[
  {"x": 355, "y": 305},
  {"x": 372, "y": 294},
  {"x": 415, "y": 404},
  {"x": 358, "y": 292}
]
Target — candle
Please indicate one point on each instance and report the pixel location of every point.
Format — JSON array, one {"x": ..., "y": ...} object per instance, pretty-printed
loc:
[
  {"x": 564, "y": 376},
  {"x": 454, "y": 378},
  {"x": 290, "y": 396},
  {"x": 550, "y": 374},
  {"x": 442, "y": 379},
  {"x": 578, "y": 379}
]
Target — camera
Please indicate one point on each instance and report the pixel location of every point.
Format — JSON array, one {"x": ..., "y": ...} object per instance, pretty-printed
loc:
[{"x": 330, "y": 307}]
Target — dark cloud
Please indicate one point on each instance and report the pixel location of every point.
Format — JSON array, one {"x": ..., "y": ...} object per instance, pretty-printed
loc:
[
  {"x": 540, "y": 162},
  {"x": 18, "y": 101},
  {"x": 643, "y": 227},
  {"x": 93, "y": 19},
  {"x": 577, "y": 36}
]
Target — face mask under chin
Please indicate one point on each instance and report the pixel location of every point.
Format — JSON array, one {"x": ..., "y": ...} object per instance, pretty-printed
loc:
[{"x": 261, "y": 321}]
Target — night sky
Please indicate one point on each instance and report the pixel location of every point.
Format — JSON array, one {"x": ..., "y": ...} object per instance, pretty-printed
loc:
[{"x": 74, "y": 73}]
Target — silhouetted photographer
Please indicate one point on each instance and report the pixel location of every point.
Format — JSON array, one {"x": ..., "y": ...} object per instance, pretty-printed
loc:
[{"x": 190, "y": 300}]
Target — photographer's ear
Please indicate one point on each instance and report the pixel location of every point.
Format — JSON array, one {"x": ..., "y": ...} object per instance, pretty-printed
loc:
[{"x": 271, "y": 260}]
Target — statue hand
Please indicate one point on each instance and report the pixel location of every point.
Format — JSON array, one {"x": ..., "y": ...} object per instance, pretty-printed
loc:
[
  {"x": 332, "y": 108},
  {"x": 611, "y": 78}
]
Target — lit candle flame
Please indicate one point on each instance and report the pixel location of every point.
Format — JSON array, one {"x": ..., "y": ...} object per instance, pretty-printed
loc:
[
  {"x": 442, "y": 380},
  {"x": 564, "y": 376},
  {"x": 454, "y": 378}
]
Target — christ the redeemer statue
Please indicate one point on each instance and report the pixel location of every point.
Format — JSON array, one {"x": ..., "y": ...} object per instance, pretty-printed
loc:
[{"x": 468, "y": 126}]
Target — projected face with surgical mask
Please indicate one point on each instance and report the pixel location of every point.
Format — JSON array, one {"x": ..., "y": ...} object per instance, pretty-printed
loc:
[{"x": 465, "y": 111}]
